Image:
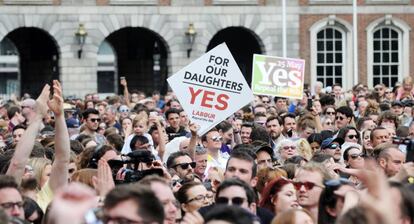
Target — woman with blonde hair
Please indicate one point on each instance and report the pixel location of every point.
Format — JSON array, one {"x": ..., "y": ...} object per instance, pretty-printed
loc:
[
  {"x": 406, "y": 90},
  {"x": 293, "y": 216},
  {"x": 304, "y": 149},
  {"x": 42, "y": 168}
]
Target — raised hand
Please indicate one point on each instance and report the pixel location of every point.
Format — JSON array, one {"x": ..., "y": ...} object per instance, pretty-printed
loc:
[
  {"x": 41, "y": 107},
  {"x": 56, "y": 103},
  {"x": 104, "y": 181}
]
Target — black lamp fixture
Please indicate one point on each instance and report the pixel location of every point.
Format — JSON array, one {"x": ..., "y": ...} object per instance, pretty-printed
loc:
[
  {"x": 190, "y": 34},
  {"x": 81, "y": 37}
]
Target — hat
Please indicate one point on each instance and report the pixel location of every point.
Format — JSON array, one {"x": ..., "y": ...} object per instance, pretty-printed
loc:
[
  {"x": 397, "y": 103},
  {"x": 408, "y": 103},
  {"x": 265, "y": 148},
  {"x": 325, "y": 143},
  {"x": 72, "y": 123}
]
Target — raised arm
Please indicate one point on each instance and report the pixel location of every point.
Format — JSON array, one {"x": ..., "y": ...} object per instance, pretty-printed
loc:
[
  {"x": 25, "y": 145},
  {"x": 126, "y": 92},
  {"x": 193, "y": 140},
  {"x": 59, "y": 174}
]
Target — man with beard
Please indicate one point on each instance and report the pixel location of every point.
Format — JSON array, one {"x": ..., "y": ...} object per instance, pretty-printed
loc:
[
  {"x": 180, "y": 164},
  {"x": 274, "y": 129}
]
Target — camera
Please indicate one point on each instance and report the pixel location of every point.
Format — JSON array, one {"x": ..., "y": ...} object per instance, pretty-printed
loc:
[
  {"x": 132, "y": 171},
  {"x": 406, "y": 145}
]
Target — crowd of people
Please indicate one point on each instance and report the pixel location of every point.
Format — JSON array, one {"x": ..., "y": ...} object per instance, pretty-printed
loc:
[{"x": 334, "y": 156}]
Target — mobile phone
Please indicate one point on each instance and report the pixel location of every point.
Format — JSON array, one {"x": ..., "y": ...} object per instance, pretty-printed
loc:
[
  {"x": 153, "y": 114},
  {"x": 122, "y": 77}
]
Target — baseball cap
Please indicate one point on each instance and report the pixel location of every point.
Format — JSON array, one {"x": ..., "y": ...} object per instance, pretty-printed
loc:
[
  {"x": 265, "y": 148},
  {"x": 325, "y": 143},
  {"x": 397, "y": 103},
  {"x": 72, "y": 123}
]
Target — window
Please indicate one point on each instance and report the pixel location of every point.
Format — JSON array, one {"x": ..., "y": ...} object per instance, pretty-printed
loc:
[
  {"x": 386, "y": 57},
  {"x": 9, "y": 69},
  {"x": 106, "y": 69},
  {"x": 329, "y": 56},
  {"x": 388, "y": 48}
]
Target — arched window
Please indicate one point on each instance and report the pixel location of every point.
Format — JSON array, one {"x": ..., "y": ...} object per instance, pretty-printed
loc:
[
  {"x": 331, "y": 51},
  {"x": 387, "y": 51},
  {"x": 329, "y": 56},
  {"x": 386, "y": 56}
]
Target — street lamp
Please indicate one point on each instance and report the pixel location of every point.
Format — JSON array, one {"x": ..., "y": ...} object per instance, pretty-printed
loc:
[
  {"x": 81, "y": 36},
  {"x": 190, "y": 34}
]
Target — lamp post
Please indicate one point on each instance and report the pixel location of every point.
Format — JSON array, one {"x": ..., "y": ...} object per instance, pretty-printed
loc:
[
  {"x": 81, "y": 36},
  {"x": 190, "y": 34}
]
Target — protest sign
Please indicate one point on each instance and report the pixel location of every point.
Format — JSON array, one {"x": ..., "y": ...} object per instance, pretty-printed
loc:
[
  {"x": 211, "y": 88},
  {"x": 276, "y": 76}
]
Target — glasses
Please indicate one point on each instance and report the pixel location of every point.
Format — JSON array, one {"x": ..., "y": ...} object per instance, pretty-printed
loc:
[
  {"x": 216, "y": 138},
  {"x": 234, "y": 201},
  {"x": 308, "y": 185},
  {"x": 185, "y": 166},
  {"x": 289, "y": 147},
  {"x": 10, "y": 205},
  {"x": 266, "y": 101},
  {"x": 339, "y": 118},
  {"x": 95, "y": 120},
  {"x": 334, "y": 146},
  {"x": 200, "y": 198},
  {"x": 123, "y": 110},
  {"x": 388, "y": 92},
  {"x": 352, "y": 136},
  {"x": 330, "y": 113},
  {"x": 329, "y": 123},
  {"x": 355, "y": 156}
]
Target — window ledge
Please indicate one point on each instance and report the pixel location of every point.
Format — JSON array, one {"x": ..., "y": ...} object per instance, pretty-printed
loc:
[
  {"x": 330, "y": 2},
  {"x": 133, "y": 2},
  {"x": 235, "y": 2},
  {"x": 28, "y": 2},
  {"x": 387, "y": 2}
]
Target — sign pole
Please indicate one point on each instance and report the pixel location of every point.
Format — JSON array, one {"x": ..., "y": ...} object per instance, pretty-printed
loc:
[
  {"x": 284, "y": 27},
  {"x": 355, "y": 41}
]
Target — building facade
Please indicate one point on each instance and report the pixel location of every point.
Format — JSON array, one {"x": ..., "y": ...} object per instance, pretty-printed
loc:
[{"x": 90, "y": 44}]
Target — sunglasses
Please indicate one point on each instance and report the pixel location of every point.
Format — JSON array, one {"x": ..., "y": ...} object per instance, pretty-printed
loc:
[
  {"x": 355, "y": 156},
  {"x": 334, "y": 146},
  {"x": 352, "y": 136},
  {"x": 95, "y": 119},
  {"x": 124, "y": 110},
  {"x": 266, "y": 101},
  {"x": 388, "y": 92},
  {"x": 234, "y": 201},
  {"x": 330, "y": 113},
  {"x": 329, "y": 123},
  {"x": 339, "y": 118},
  {"x": 217, "y": 138},
  {"x": 378, "y": 89},
  {"x": 177, "y": 181},
  {"x": 185, "y": 166},
  {"x": 308, "y": 185}
]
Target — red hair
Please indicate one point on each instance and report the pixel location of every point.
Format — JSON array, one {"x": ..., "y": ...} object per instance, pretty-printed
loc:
[{"x": 270, "y": 191}]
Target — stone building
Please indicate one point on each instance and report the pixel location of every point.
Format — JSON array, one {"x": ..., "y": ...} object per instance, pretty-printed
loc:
[{"x": 148, "y": 40}]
